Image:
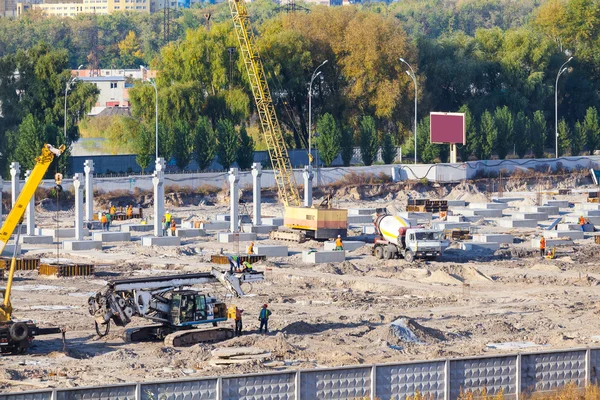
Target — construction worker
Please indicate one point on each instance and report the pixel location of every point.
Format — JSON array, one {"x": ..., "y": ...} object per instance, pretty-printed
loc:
[
  {"x": 247, "y": 267},
  {"x": 173, "y": 227},
  {"x": 250, "y": 249},
  {"x": 166, "y": 222},
  {"x": 234, "y": 263},
  {"x": 238, "y": 321},
  {"x": 263, "y": 317},
  {"x": 129, "y": 212},
  {"x": 338, "y": 243},
  {"x": 104, "y": 222},
  {"x": 542, "y": 246},
  {"x": 108, "y": 221},
  {"x": 582, "y": 223},
  {"x": 112, "y": 211}
]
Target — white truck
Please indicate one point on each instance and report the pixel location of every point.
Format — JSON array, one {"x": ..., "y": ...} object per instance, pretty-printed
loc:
[{"x": 398, "y": 239}]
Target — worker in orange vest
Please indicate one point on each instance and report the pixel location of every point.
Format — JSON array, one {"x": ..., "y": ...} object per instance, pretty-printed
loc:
[
  {"x": 543, "y": 246},
  {"x": 582, "y": 223},
  {"x": 338, "y": 243}
]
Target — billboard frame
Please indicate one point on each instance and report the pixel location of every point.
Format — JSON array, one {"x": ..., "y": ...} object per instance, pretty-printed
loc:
[{"x": 464, "y": 130}]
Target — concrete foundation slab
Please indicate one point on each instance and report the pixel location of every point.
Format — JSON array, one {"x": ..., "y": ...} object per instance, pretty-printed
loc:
[
  {"x": 488, "y": 206},
  {"x": 271, "y": 250},
  {"x": 574, "y": 219},
  {"x": 537, "y": 216},
  {"x": 568, "y": 227},
  {"x": 264, "y": 229},
  {"x": 451, "y": 225},
  {"x": 456, "y": 203},
  {"x": 137, "y": 228},
  {"x": 275, "y": 221},
  {"x": 535, "y": 243},
  {"x": 469, "y": 246},
  {"x": 361, "y": 211},
  {"x": 60, "y": 233},
  {"x": 349, "y": 245},
  {"x": 111, "y": 236},
  {"x": 234, "y": 237},
  {"x": 9, "y": 250},
  {"x": 462, "y": 218},
  {"x": 419, "y": 216},
  {"x": 79, "y": 245},
  {"x": 590, "y": 213},
  {"x": 161, "y": 241},
  {"x": 190, "y": 232},
  {"x": 316, "y": 257},
  {"x": 557, "y": 203},
  {"x": 573, "y": 235},
  {"x": 506, "y": 199},
  {"x": 550, "y": 210},
  {"x": 214, "y": 226},
  {"x": 517, "y": 223},
  {"x": 493, "y": 238},
  {"x": 481, "y": 212},
  {"x": 360, "y": 219},
  {"x": 37, "y": 239},
  {"x": 587, "y": 206}
]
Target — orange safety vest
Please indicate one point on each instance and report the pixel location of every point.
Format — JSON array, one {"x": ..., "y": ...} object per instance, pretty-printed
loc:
[
  {"x": 104, "y": 220},
  {"x": 542, "y": 244}
]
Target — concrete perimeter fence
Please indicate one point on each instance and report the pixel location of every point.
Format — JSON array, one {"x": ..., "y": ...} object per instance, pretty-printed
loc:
[{"x": 513, "y": 374}]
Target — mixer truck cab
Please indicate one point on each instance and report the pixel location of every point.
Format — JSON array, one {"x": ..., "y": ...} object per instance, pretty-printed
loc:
[{"x": 397, "y": 239}]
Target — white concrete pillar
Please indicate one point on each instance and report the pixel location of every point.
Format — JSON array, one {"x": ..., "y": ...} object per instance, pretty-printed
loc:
[
  {"x": 256, "y": 174},
  {"x": 234, "y": 200},
  {"x": 78, "y": 185},
  {"x": 88, "y": 167},
  {"x": 158, "y": 180},
  {"x": 308, "y": 178},
  {"x": 30, "y": 210},
  {"x": 15, "y": 173}
]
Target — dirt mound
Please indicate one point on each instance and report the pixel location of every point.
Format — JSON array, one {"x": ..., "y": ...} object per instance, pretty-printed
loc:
[
  {"x": 466, "y": 273},
  {"x": 440, "y": 276},
  {"x": 404, "y": 330},
  {"x": 299, "y": 328},
  {"x": 278, "y": 345},
  {"x": 344, "y": 268}
]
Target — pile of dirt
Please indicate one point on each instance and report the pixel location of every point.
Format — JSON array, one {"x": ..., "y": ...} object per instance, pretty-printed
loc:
[
  {"x": 466, "y": 273},
  {"x": 440, "y": 276},
  {"x": 299, "y": 328},
  {"x": 467, "y": 192},
  {"x": 405, "y": 331},
  {"x": 344, "y": 268}
]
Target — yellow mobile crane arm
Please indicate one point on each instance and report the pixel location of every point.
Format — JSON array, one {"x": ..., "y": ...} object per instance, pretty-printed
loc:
[
  {"x": 15, "y": 216},
  {"x": 282, "y": 167}
]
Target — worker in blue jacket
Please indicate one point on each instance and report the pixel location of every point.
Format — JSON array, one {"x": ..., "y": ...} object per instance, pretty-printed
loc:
[{"x": 263, "y": 317}]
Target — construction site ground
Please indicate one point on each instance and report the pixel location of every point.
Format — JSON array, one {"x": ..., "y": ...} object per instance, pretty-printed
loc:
[{"x": 465, "y": 304}]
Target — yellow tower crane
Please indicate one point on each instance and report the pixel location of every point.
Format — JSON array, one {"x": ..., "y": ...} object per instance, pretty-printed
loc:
[{"x": 320, "y": 223}]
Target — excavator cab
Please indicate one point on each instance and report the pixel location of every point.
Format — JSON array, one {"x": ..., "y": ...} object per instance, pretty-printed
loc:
[{"x": 189, "y": 307}]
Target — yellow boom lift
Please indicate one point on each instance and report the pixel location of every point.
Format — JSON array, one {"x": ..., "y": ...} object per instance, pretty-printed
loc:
[
  {"x": 15, "y": 336},
  {"x": 319, "y": 223}
]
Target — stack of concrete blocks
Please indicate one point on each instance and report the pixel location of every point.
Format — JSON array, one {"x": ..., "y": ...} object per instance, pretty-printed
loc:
[
  {"x": 416, "y": 217},
  {"x": 557, "y": 203},
  {"x": 323, "y": 256},
  {"x": 79, "y": 243},
  {"x": 550, "y": 210},
  {"x": 456, "y": 203},
  {"x": 349, "y": 245},
  {"x": 233, "y": 235},
  {"x": 450, "y": 225},
  {"x": 158, "y": 181},
  {"x": 517, "y": 223},
  {"x": 487, "y": 241},
  {"x": 536, "y": 216},
  {"x": 271, "y": 250},
  {"x": 485, "y": 210},
  {"x": 187, "y": 229}
]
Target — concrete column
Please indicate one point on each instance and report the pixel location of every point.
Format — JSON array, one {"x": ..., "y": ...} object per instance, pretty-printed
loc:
[
  {"x": 78, "y": 185},
  {"x": 30, "y": 210},
  {"x": 15, "y": 172},
  {"x": 256, "y": 174},
  {"x": 234, "y": 200},
  {"x": 158, "y": 180},
  {"x": 308, "y": 178},
  {"x": 88, "y": 167}
]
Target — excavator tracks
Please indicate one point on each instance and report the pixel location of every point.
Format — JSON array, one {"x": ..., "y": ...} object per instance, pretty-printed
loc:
[
  {"x": 290, "y": 236},
  {"x": 194, "y": 336}
]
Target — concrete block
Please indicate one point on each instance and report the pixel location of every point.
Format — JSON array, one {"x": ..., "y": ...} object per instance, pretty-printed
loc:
[
  {"x": 362, "y": 211},
  {"x": 517, "y": 223},
  {"x": 111, "y": 236},
  {"x": 264, "y": 229},
  {"x": 271, "y": 250},
  {"x": 349, "y": 245},
  {"x": 245, "y": 218},
  {"x": 137, "y": 228},
  {"x": 587, "y": 206},
  {"x": 506, "y": 199},
  {"x": 481, "y": 212},
  {"x": 535, "y": 243},
  {"x": 37, "y": 239},
  {"x": 469, "y": 246},
  {"x": 161, "y": 241},
  {"x": 79, "y": 245},
  {"x": 574, "y": 219},
  {"x": 275, "y": 221},
  {"x": 537, "y": 216},
  {"x": 573, "y": 235},
  {"x": 455, "y": 218},
  {"x": 316, "y": 257},
  {"x": 550, "y": 210},
  {"x": 568, "y": 227},
  {"x": 360, "y": 219},
  {"x": 234, "y": 237},
  {"x": 451, "y": 225},
  {"x": 368, "y": 230},
  {"x": 9, "y": 250},
  {"x": 214, "y": 226},
  {"x": 488, "y": 206},
  {"x": 60, "y": 233},
  {"x": 557, "y": 203},
  {"x": 456, "y": 203},
  {"x": 189, "y": 232},
  {"x": 419, "y": 216},
  {"x": 493, "y": 238}
]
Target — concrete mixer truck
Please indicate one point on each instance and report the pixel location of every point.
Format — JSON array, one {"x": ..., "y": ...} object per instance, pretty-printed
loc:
[{"x": 398, "y": 239}]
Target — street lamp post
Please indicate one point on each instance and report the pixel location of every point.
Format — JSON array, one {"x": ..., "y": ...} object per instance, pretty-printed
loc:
[
  {"x": 153, "y": 83},
  {"x": 314, "y": 75},
  {"x": 560, "y": 72},
  {"x": 414, "y": 78}
]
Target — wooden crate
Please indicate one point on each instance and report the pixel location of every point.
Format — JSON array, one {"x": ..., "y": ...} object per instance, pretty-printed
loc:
[{"x": 66, "y": 270}]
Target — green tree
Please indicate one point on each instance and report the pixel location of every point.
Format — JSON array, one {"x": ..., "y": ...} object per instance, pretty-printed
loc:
[
  {"x": 347, "y": 149},
  {"x": 428, "y": 152},
  {"x": 503, "y": 119},
  {"x": 228, "y": 143},
  {"x": 538, "y": 132},
  {"x": 592, "y": 129},
  {"x": 471, "y": 133},
  {"x": 564, "y": 138},
  {"x": 368, "y": 140},
  {"x": 329, "y": 140},
  {"x": 489, "y": 133},
  {"x": 29, "y": 142},
  {"x": 144, "y": 146},
  {"x": 245, "y": 152},
  {"x": 182, "y": 144},
  {"x": 579, "y": 140},
  {"x": 205, "y": 143},
  {"x": 522, "y": 134},
  {"x": 388, "y": 149},
  {"x": 130, "y": 53}
]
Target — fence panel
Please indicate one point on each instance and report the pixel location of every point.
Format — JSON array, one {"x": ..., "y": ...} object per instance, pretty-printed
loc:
[
  {"x": 27, "y": 396},
  {"x": 347, "y": 383},
  {"x": 400, "y": 381},
  {"x": 260, "y": 387},
  {"x": 595, "y": 366},
  {"x": 204, "y": 389},
  {"x": 125, "y": 392},
  {"x": 548, "y": 371},
  {"x": 495, "y": 374}
]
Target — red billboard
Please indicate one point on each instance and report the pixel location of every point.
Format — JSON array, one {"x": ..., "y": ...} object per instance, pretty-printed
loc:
[{"x": 447, "y": 128}]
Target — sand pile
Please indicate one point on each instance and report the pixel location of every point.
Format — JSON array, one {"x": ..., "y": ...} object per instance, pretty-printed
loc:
[
  {"x": 467, "y": 192},
  {"x": 440, "y": 276},
  {"x": 404, "y": 330},
  {"x": 466, "y": 273},
  {"x": 344, "y": 268}
]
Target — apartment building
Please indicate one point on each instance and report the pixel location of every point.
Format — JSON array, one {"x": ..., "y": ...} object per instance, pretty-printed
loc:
[{"x": 71, "y": 9}]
